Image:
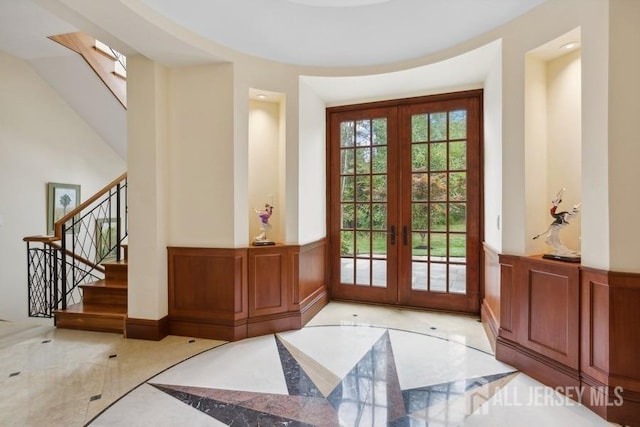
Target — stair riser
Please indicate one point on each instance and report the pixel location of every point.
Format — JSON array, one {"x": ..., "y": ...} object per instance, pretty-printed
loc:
[
  {"x": 107, "y": 296},
  {"x": 113, "y": 324},
  {"x": 115, "y": 273}
]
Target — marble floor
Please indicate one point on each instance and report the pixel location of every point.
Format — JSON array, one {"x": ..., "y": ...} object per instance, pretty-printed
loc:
[{"x": 352, "y": 365}]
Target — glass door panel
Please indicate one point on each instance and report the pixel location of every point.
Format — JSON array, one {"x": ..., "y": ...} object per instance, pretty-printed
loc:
[
  {"x": 438, "y": 236},
  {"x": 438, "y": 164},
  {"x": 364, "y": 233}
]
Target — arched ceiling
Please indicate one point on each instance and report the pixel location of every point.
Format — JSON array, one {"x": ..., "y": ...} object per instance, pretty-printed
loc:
[{"x": 340, "y": 32}]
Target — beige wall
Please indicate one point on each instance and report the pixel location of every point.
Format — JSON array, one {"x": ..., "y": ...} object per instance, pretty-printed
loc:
[
  {"x": 624, "y": 149},
  {"x": 148, "y": 188},
  {"x": 553, "y": 144},
  {"x": 201, "y": 156},
  {"x": 564, "y": 141},
  {"x": 41, "y": 140},
  {"x": 265, "y": 170}
]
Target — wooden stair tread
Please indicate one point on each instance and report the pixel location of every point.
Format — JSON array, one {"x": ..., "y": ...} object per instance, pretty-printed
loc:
[
  {"x": 96, "y": 309},
  {"x": 122, "y": 262},
  {"x": 112, "y": 283}
]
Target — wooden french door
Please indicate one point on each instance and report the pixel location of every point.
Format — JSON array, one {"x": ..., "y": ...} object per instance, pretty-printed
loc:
[{"x": 404, "y": 202}]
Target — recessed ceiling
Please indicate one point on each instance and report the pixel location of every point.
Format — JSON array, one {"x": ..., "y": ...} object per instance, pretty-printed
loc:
[{"x": 337, "y": 33}]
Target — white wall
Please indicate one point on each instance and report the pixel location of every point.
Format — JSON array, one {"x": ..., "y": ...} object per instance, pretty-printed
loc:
[
  {"x": 493, "y": 154},
  {"x": 41, "y": 140},
  {"x": 312, "y": 182}
]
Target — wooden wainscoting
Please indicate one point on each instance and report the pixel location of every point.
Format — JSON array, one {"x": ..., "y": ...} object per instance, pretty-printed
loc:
[
  {"x": 508, "y": 317},
  {"x": 311, "y": 273},
  {"x": 208, "y": 292},
  {"x": 539, "y": 330},
  {"x": 610, "y": 345},
  {"x": 231, "y": 294},
  {"x": 575, "y": 328},
  {"x": 490, "y": 309}
]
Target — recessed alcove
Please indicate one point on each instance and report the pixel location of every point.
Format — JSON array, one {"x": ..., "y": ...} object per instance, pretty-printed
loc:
[
  {"x": 266, "y": 165},
  {"x": 553, "y": 140}
]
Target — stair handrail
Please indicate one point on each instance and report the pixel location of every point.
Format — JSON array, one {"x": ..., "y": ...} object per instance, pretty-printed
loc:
[
  {"x": 83, "y": 239},
  {"x": 78, "y": 209}
]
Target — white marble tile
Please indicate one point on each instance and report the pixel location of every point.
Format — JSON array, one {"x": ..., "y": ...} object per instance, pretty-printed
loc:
[
  {"x": 251, "y": 365},
  {"x": 424, "y": 360},
  {"x": 525, "y": 402},
  {"x": 327, "y": 345},
  {"x": 147, "y": 406}
]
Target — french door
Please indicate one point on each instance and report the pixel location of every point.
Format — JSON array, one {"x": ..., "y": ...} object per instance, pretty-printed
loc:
[{"x": 404, "y": 202}]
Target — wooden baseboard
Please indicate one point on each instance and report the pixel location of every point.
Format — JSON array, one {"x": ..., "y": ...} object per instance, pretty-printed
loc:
[
  {"x": 144, "y": 329},
  {"x": 272, "y": 324},
  {"x": 312, "y": 305},
  {"x": 490, "y": 324},
  {"x": 542, "y": 368},
  {"x": 208, "y": 330},
  {"x": 613, "y": 403}
]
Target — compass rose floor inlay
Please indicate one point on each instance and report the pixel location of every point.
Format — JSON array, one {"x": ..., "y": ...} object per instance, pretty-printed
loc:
[{"x": 342, "y": 375}]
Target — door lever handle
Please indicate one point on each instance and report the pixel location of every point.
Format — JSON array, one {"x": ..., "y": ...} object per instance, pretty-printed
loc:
[
  {"x": 393, "y": 234},
  {"x": 405, "y": 235}
]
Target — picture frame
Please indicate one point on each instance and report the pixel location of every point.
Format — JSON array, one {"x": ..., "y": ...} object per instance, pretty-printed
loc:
[
  {"x": 61, "y": 199},
  {"x": 105, "y": 236}
]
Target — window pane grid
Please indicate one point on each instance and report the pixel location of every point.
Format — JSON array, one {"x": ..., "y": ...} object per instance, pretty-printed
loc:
[
  {"x": 363, "y": 174},
  {"x": 438, "y": 197}
]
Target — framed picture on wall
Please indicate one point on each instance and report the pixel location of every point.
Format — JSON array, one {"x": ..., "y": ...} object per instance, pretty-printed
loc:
[{"x": 61, "y": 199}]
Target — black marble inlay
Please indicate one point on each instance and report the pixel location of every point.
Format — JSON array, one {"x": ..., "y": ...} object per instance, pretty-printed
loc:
[
  {"x": 360, "y": 389},
  {"x": 46, "y": 341},
  {"x": 298, "y": 382},
  {"x": 192, "y": 341},
  {"x": 95, "y": 397},
  {"x": 111, "y": 356},
  {"x": 14, "y": 374}
]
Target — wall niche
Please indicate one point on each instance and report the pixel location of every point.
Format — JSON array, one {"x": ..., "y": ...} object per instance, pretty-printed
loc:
[
  {"x": 266, "y": 158},
  {"x": 553, "y": 138}
]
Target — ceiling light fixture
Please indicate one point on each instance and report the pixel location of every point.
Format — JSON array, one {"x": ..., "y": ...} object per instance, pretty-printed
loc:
[
  {"x": 262, "y": 96},
  {"x": 570, "y": 45}
]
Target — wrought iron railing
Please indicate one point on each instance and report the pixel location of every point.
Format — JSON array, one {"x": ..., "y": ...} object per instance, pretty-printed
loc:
[{"x": 86, "y": 237}]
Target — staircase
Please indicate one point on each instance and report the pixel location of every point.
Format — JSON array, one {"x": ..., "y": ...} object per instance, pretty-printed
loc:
[
  {"x": 78, "y": 276},
  {"x": 104, "y": 302},
  {"x": 107, "y": 63}
]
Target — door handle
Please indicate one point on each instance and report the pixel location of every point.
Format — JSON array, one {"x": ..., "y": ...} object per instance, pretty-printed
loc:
[
  {"x": 393, "y": 234},
  {"x": 405, "y": 235}
]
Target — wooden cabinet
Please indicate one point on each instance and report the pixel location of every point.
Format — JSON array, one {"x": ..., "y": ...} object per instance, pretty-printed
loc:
[{"x": 231, "y": 294}]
